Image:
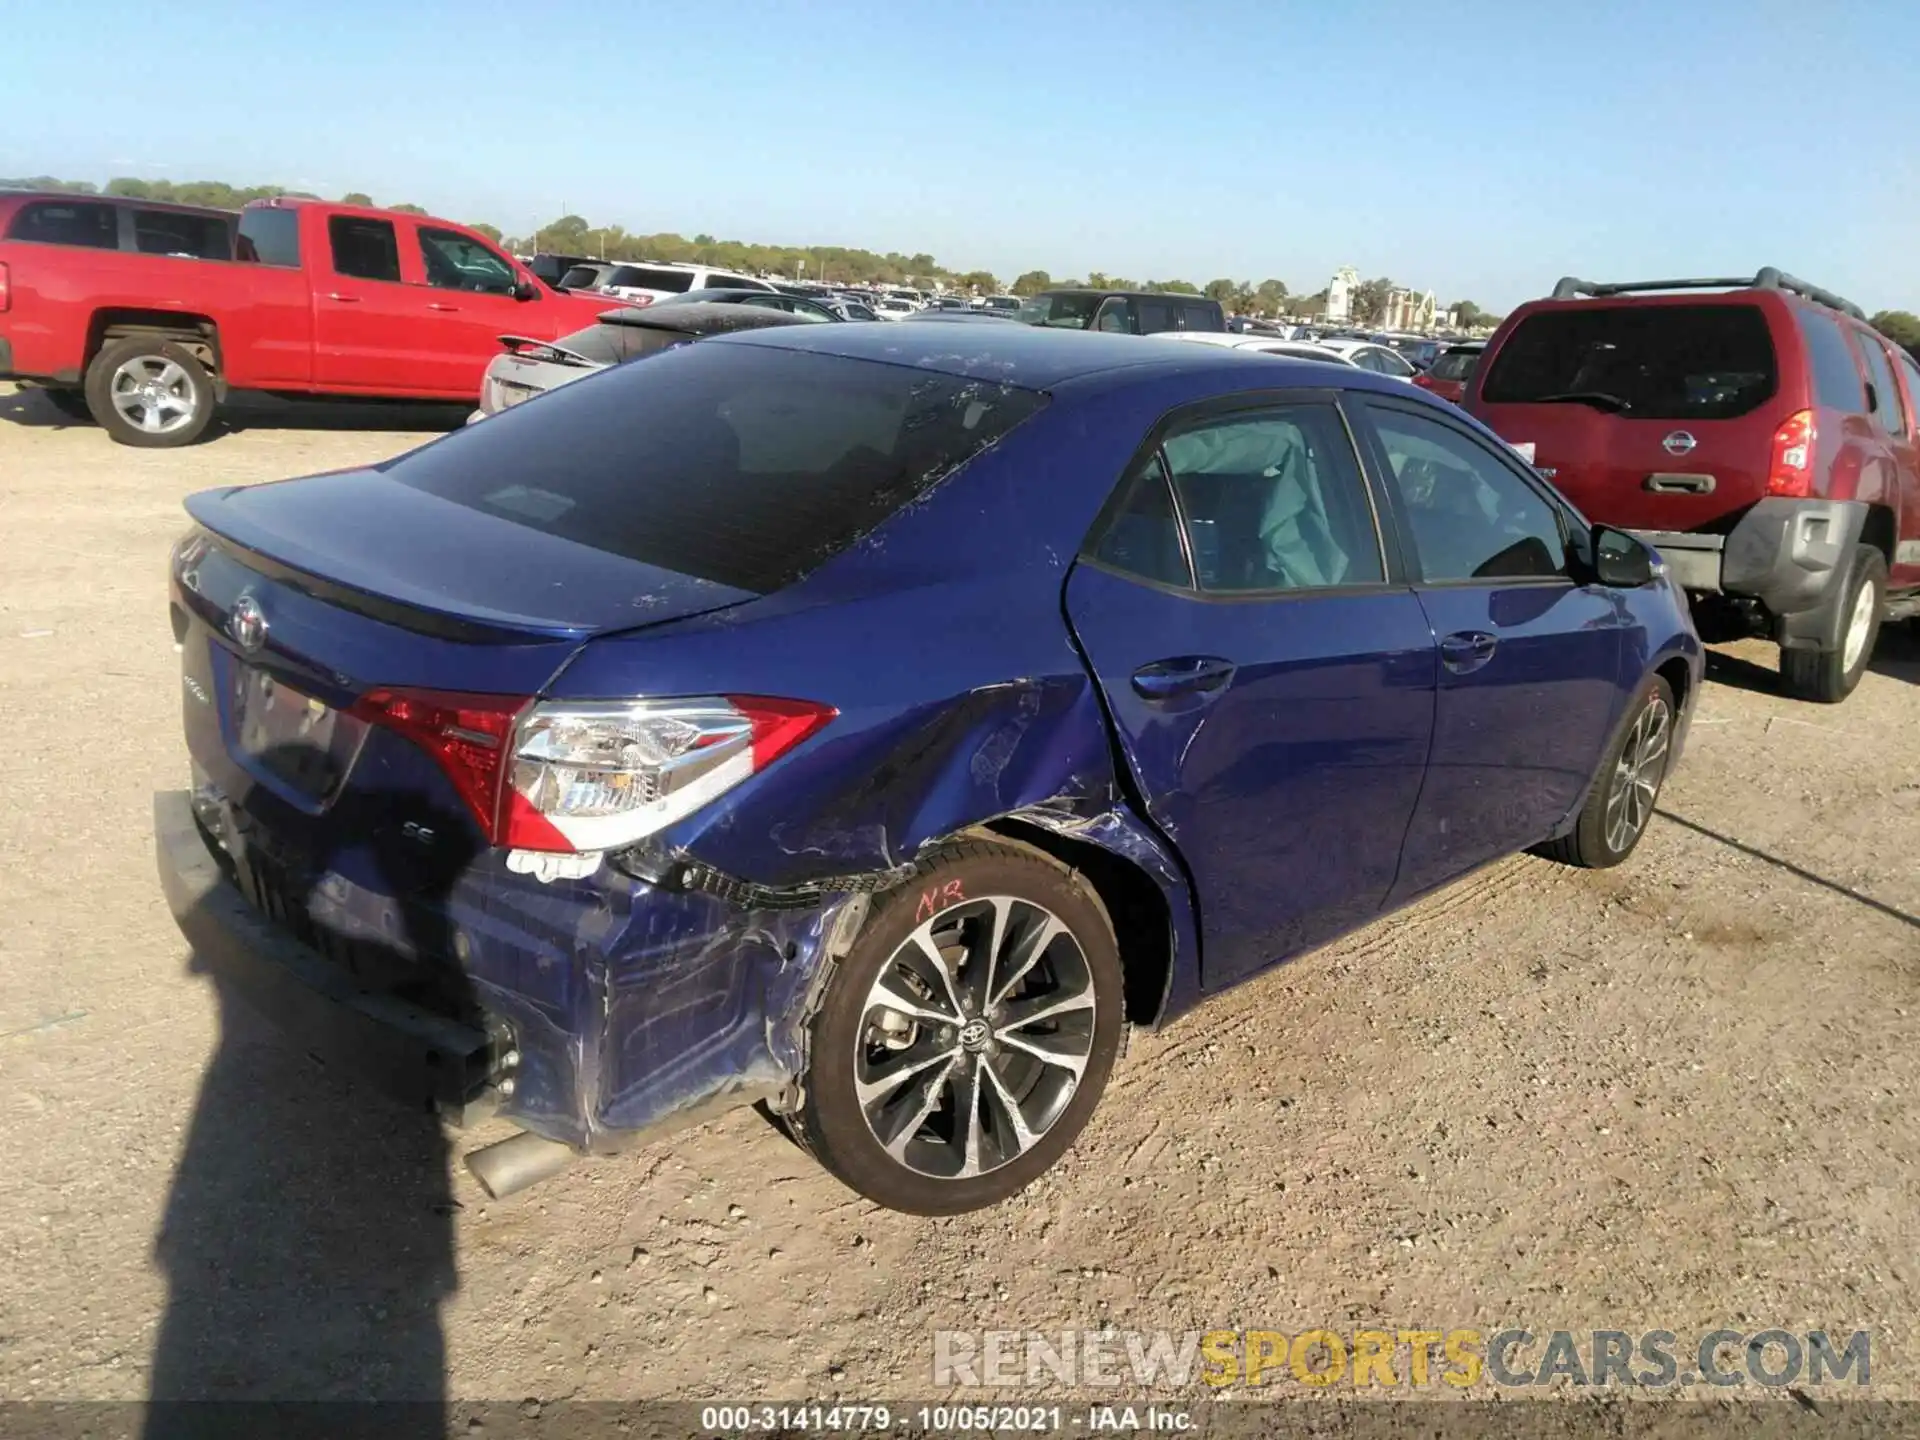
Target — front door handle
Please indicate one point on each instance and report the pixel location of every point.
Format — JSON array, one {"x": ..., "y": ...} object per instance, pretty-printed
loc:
[
  {"x": 344, "y": 299},
  {"x": 1466, "y": 650},
  {"x": 1186, "y": 675}
]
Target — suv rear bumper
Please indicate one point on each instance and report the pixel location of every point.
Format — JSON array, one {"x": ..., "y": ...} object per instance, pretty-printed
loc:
[{"x": 1790, "y": 555}]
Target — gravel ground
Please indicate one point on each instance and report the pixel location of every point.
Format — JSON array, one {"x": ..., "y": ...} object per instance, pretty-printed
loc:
[{"x": 1678, "y": 1095}]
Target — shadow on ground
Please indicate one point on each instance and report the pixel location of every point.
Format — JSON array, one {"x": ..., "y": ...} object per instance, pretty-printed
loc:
[
  {"x": 307, "y": 1240},
  {"x": 30, "y": 408},
  {"x": 1897, "y": 656}
]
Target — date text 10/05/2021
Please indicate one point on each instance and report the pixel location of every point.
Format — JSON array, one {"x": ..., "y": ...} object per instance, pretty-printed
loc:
[{"x": 944, "y": 1419}]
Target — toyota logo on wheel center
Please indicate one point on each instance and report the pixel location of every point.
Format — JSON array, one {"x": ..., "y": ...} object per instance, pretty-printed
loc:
[{"x": 975, "y": 1034}]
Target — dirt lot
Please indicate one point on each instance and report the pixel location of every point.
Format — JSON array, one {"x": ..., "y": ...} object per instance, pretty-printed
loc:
[{"x": 1678, "y": 1095}]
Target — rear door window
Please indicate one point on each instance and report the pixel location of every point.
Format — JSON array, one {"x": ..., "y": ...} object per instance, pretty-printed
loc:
[
  {"x": 68, "y": 222},
  {"x": 269, "y": 237},
  {"x": 1647, "y": 362},
  {"x": 743, "y": 465},
  {"x": 1155, "y": 315},
  {"x": 1886, "y": 394},
  {"x": 170, "y": 232},
  {"x": 1201, "y": 317},
  {"x": 1837, "y": 381},
  {"x": 362, "y": 248}
]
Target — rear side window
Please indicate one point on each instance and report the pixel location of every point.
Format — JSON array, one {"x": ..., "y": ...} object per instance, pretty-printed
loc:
[
  {"x": 1060, "y": 312},
  {"x": 1886, "y": 394},
  {"x": 66, "y": 222},
  {"x": 1837, "y": 382},
  {"x": 365, "y": 249},
  {"x": 168, "y": 232},
  {"x": 1141, "y": 535},
  {"x": 269, "y": 237},
  {"x": 1155, "y": 316},
  {"x": 1910, "y": 372},
  {"x": 1648, "y": 362},
  {"x": 1201, "y": 317},
  {"x": 648, "y": 277},
  {"x": 739, "y": 464}
]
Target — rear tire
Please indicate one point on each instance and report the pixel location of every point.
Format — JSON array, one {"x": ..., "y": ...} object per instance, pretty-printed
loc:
[
  {"x": 150, "y": 392},
  {"x": 997, "y": 1060},
  {"x": 70, "y": 403},
  {"x": 1621, "y": 801},
  {"x": 1828, "y": 676}
]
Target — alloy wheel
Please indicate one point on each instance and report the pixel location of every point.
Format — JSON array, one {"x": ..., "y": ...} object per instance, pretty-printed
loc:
[
  {"x": 974, "y": 1037},
  {"x": 1859, "y": 626},
  {"x": 1637, "y": 774},
  {"x": 153, "y": 393}
]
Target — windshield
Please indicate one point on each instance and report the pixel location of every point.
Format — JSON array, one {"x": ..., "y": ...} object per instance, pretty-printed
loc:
[
  {"x": 1060, "y": 312},
  {"x": 743, "y": 465},
  {"x": 1649, "y": 362}
]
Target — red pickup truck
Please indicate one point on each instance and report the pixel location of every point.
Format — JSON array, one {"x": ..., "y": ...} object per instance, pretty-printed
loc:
[{"x": 143, "y": 316}]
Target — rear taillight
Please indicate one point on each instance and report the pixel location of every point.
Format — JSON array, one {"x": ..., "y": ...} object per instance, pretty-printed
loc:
[
  {"x": 1425, "y": 382},
  {"x": 6, "y": 287},
  {"x": 564, "y": 777},
  {"x": 1791, "y": 472}
]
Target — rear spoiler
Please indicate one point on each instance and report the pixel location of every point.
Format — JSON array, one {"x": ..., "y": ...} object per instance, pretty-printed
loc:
[
  {"x": 1573, "y": 288},
  {"x": 521, "y": 344}
]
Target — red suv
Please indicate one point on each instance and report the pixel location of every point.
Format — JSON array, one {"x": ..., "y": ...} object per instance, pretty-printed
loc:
[{"x": 1758, "y": 432}]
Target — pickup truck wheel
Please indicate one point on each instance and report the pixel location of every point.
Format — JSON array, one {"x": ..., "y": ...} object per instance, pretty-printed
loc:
[
  {"x": 150, "y": 392},
  {"x": 966, "y": 1036},
  {"x": 1829, "y": 674},
  {"x": 70, "y": 403}
]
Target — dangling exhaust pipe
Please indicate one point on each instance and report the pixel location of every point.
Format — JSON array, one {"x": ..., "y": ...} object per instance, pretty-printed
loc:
[{"x": 509, "y": 1166}]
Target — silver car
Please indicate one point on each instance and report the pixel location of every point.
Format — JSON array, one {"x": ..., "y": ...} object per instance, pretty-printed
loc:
[{"x": 526, "y": 368}]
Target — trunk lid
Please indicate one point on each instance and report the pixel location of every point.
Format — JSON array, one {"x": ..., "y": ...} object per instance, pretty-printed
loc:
[{"x": 294, "y": 603}]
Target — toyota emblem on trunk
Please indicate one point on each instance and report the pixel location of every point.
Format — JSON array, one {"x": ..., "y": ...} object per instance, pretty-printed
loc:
[
  {"x": 248, "y": 624},
  {"x": 1678, "y": 443}
]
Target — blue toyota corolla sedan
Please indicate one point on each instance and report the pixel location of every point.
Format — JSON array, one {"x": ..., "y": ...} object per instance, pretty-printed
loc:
[{"x": 875, "y": 720}]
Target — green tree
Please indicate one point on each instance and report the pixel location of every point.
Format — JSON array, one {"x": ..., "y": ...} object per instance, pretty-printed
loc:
[
  {"x": 1221, "y": 290},
  {"x": 480, "y": 227},
  {"x": 1243, "y": 299},
  {"x": 1468, "y": 315},
  {"x": 1369, "y": 300},
  {"x": 1900, "y": 326},
  {"x": 1177, "y": 287},
  {"x": 1032, "y": 283},
  {"x": 408, "y": 209},
  {"x": 1270, "y": 296},
  {"x": 356, "y": 197},
  {"x": 47, "y": 182},
  {"x": 979, "y": 280}
]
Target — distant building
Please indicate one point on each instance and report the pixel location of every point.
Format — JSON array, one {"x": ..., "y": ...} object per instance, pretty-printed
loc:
[
  {"x": 1340, "y": 295},
  {"x": 1407, "y": 310}
]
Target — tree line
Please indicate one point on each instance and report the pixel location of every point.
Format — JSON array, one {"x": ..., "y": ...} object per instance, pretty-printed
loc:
[{"x": 833, "y": 264}]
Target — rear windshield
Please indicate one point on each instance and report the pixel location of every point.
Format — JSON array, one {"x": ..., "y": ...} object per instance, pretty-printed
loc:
[
  {"x": 647, "y": 277},
  {"x": 1648, "y": 362},
  {"x": 1060, "y": 312},
  {"x": 613, "y": 344},
  {"x": 734, "y": 463},
  {"x": 1455, "y": 365}
]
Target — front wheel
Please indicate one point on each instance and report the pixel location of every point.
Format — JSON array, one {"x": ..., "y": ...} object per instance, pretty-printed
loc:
[
  {"x": 966, "y": 1037},
  {"x": 1627, "y": 788},
  {"x": 149, "y": 391}
]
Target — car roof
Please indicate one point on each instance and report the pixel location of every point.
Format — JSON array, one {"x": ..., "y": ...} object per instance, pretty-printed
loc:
[
  {"x": 1125, "y": 294},
  {"x": 22, "y": 197},
  {"x": 1033, "y": 357}
]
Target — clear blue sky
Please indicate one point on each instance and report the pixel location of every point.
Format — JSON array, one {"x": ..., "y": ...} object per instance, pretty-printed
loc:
[{"x": 1481, "y": 149}]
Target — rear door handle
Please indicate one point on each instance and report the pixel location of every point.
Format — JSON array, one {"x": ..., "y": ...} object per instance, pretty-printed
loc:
[
  {"x": 1466, "y": 650},
  {"x": 436, "y": 305},
  {"x": 343, "y": 299},
  {"x": 1186, "y": 675},
  {"x": 1667, "y": 484}
]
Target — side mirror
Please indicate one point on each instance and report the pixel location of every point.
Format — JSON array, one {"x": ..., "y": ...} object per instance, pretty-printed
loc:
[
  {"x": 524, "y": 289},
  {"x": 1621, "y": 559}
]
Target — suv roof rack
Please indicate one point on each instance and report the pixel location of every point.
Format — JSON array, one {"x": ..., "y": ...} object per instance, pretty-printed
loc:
[{"x": 1770, "y": 278}]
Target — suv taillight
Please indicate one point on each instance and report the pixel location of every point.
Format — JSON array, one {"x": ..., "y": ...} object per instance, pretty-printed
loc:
[
  {"x": 569, "y": 777},
  {"x": 6, "y": 287},
  {"x": 1791, "y": 472}
]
